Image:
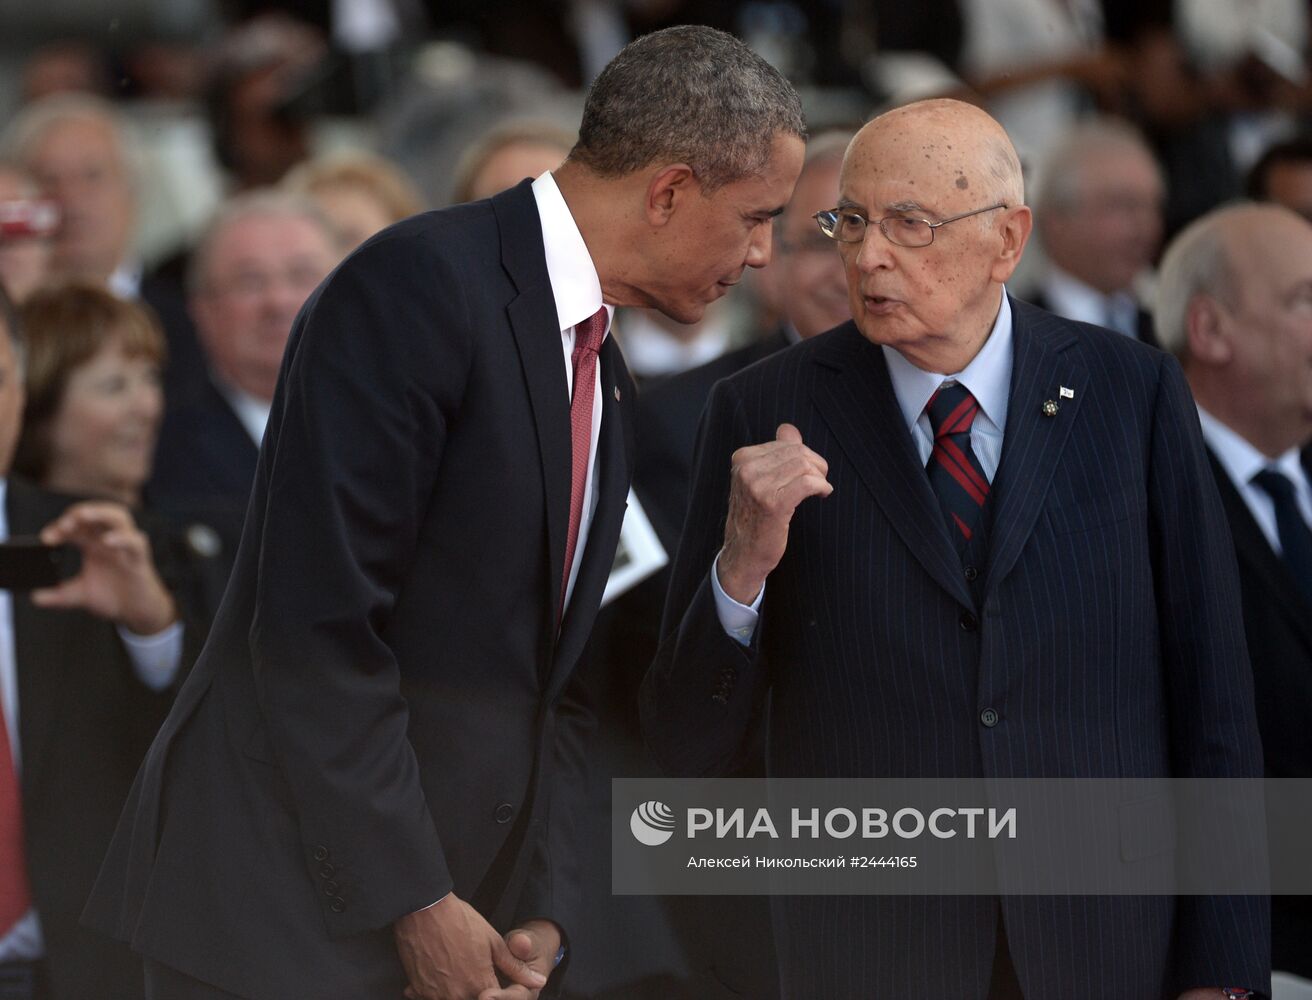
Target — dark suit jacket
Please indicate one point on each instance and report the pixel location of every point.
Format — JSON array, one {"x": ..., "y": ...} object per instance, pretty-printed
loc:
[
  {"x": 1278, "y": 624},
  {"x": 1101, "y": 628},
  {"x": 204, "y": 466},
  {"x": 382, "y": 708},
  {"x": 84, "y": 723},
  {"x": 1147, "y": 332}
]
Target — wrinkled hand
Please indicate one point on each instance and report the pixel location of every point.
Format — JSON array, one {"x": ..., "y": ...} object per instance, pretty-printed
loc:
[
  {"x": 450, "y": 952},
  {"x": 118, "y": 581},
  {"x": 768, "y": 482},
  {"x": 535, "y": 944}
]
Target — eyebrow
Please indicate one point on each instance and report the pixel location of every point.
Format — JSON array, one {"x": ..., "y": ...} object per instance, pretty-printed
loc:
[{"x": 900, "y": 206}]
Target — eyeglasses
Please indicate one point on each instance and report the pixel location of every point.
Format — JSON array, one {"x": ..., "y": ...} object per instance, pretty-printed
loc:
[{"x": 847, "y": 226}]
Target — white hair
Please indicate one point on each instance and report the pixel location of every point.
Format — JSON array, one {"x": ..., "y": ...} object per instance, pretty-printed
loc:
[{"x": 1196, "y": 263}]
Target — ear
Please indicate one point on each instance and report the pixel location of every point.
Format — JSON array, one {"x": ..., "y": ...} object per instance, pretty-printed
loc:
[
  {"x": 667, "y": 188},
  {"x": 1205, "y": 331},
  {"x": 1015, "y": 229}
]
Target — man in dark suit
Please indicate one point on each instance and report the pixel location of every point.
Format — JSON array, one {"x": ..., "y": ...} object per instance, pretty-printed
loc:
[
  {"x": 1098, "y": 212},
  {"x": 1011, "y": 566},
  {"x": 80, "y": 150},
  {"x": 254, "y": 267},
  {"x": 87, "y": 671},
  {"x": 356, "y": 784},
  {"x": 1235, "y": 305},
  {"x": 804, "y": 284}
]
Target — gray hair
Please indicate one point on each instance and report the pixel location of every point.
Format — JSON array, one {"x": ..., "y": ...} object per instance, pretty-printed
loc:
[
  {"x": 687, "y": 94},
  {"x": 261, "y": 203},
  {"x": 34, "y": 121},
  {"x": 1196, "y": 263},
  {"x": 1064, "y": 169},
  {"x": 514, "y": 132}
]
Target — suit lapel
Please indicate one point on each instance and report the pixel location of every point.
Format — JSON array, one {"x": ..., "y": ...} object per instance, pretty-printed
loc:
[
  {"x": 40, "y": 638},
  {"x": 1032, "y": 442},
  {"x": 854, "y": 395},
  {"x": 532, "y": 315},
  {"x": 614, "y": 452}
]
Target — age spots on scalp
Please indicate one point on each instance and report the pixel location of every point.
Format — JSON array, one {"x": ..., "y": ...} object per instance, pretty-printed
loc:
[{"x": 962, "y": 182}]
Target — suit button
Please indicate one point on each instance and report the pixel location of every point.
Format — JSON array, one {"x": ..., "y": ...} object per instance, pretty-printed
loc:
[
  {"x": 972, "y": 574},
  {"x": 988, "y": 717},
  {"x": 327, "y": 871},
  {"x": 968, "y": 622},
  {"x": 321, "y": 853},
  {"x": 330, "y": 888},
  {"x": 338, "y": 904},
  {"x": 504, "y": 812}
]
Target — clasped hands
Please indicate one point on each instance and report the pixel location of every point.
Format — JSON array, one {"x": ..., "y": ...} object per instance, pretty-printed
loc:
[{"x": 450, "y": 952}]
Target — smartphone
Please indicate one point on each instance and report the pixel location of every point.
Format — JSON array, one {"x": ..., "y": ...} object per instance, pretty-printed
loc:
[{"x": 26, "y": 564}]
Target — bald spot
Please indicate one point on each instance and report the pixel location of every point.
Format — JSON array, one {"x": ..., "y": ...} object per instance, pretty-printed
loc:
[{"x": 940, "y": 145}]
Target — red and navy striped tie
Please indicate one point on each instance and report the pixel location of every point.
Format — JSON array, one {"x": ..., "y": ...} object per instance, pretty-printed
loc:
[{"x": 954, "y": 471}]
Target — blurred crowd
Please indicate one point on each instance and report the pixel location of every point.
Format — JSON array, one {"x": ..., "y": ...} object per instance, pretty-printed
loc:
[{"x": 175, "y": 179}]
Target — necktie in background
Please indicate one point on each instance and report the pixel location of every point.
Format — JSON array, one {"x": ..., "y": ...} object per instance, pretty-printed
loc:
[
  {"x": 15, "y": 895},
  {"x": 954, "y": 472},
  {"x": 587, "y": 342},
  {"x": 1295, "y": 537}
]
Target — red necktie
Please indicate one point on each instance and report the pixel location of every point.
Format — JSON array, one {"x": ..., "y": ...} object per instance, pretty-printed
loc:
[
  {"x": 954, "y": 471},
  {"x": 15, "y": 896},
  {"x": 587, "y": 342}
]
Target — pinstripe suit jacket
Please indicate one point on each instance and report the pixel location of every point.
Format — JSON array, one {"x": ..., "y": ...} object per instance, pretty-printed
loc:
[{"x": 1103, "y": 629}]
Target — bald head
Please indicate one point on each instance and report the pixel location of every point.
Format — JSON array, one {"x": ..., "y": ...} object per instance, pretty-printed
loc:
[
  {"x": 967, "y": 144},
  {"x": 931, "y": 292},
  {"x": 1235, "y": 301}
]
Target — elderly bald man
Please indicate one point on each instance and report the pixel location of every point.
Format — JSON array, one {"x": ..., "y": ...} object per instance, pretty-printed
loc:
[
  {"x": 962, "y": 537},
  {"x": 1235, "y": 305}
]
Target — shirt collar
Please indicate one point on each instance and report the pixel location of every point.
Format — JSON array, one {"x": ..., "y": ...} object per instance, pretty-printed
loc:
[
  {"x": 125, "y": 282},
  {"x": 1070, "y": 297},
  {"x": 574, "y": 282},
  {"x": 1240, "y": 459},
  {"x": 987, "y": 376}
]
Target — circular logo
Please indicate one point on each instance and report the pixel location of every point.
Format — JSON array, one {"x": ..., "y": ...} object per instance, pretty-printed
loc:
[{"x": 652, "y": 823}]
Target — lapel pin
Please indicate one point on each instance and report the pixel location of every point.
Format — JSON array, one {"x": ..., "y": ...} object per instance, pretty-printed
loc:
[
  {"x": 1065, "y": 393},
  {"x": 617, "y": 394},
  {"x": 1049, "y": 408}
]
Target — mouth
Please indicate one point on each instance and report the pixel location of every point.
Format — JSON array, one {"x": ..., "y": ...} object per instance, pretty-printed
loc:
[{"x": 880, "y": 304}]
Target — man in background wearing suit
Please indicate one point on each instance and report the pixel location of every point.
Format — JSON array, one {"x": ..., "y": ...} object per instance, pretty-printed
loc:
[
  {"x": 962, "y": 537},
  {"x": 87, "y": 672},
  {"x": 355, "y": 786},
  {"x": 252, "y": 270},
  {"x": 1234, "y": 303},
  {"x": 1098, "y": 211}
]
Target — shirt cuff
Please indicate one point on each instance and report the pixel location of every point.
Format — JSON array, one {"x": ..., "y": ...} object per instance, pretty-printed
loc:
[
  {"x": 737, "y": 620},
  {"x": 432, "y": 904},
  {"x": 155, "y": 658}
]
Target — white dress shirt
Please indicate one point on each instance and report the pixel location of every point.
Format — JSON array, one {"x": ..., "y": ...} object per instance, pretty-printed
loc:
[
  {"x": 1242, "y": 462},
  {"x": 155, "y": 659},
  {"x": 1068, "y": 296},
  {"x": 988, "y": 377},
  {"x": 253, "y": 413},
  {"x": 577, "y": 291}
]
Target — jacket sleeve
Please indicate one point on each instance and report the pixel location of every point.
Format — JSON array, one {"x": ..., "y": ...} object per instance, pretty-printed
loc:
[
  {"x": 703, "y": 697},
  {"x": 1220, "y": 940},
  {"x": 371, "y": 380}
]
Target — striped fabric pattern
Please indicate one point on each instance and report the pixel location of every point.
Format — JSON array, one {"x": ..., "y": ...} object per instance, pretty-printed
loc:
[{"x": 1104, "y": 631}]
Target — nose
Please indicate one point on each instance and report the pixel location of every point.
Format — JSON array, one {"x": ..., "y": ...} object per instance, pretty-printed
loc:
[
  {"x": 758, "y": 251},
  {"x": 874, "y": 252}
]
